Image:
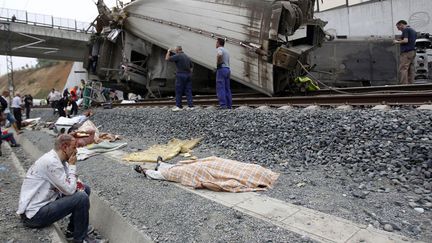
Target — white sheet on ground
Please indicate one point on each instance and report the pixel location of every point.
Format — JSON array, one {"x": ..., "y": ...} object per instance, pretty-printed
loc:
[
  {"x": 95, "y": 149},
  {"x": 32, "y": 120}
]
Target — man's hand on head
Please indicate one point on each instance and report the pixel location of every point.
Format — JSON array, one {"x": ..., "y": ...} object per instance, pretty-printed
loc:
[{"x": 73, "y": 159}]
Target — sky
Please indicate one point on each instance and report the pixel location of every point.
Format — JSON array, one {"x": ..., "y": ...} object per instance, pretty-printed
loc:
[{"x": 81, "y": 10}]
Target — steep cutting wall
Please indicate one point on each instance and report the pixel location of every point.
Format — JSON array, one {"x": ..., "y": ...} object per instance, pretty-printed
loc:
[{"x": 38, "y": 82}]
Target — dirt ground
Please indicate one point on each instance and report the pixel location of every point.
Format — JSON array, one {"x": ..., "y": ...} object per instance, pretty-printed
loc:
[{"x": 38, "y": 82}]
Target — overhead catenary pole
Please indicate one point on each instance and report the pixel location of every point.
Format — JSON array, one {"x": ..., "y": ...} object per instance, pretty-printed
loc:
[{"x": 8, "y": 54}]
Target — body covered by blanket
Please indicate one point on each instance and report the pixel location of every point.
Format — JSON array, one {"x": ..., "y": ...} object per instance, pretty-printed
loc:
[{"x": 221, "y": 175}]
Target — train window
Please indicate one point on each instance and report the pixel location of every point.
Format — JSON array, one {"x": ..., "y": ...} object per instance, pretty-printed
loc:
[{"x": 138, "y": 58}]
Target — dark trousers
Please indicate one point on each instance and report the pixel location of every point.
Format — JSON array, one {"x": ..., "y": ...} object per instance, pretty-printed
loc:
[
  {"x": 27, "y": 108},
  {"x": 8, "y": 137},
  {"x": 93, "y": 64},
  {"x": 183, "y": 86},
  {"x": 223, "y": 89},
  {"x": 54, "y": 105},
  {"x": 74, "y": 109},
  {"x": 77, "y": 204},
  {"x": 18, "y": 117}
]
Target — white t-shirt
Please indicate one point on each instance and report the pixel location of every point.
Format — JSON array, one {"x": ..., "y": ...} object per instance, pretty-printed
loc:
[{"x": 16, "y": 102}]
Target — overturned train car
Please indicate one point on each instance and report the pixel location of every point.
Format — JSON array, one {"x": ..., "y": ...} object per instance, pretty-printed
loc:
[{"x": 266, "y": 39}]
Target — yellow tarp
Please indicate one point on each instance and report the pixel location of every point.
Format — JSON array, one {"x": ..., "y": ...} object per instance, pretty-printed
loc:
[{"x": 166, "y": 151}]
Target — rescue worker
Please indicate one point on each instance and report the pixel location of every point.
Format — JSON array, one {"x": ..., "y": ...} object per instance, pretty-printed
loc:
[
  {"x": 28, "y": 103},
  {"x": 3, "y": 105},
  {"x": 73, "y": 101},
  {"x": 7, "y": 112},
  {"x": 407, "y": 52},
  {"x": 16, "y": 108},
  {"x": 223, "y": 73},
  {"x": 183, "y": 83}
]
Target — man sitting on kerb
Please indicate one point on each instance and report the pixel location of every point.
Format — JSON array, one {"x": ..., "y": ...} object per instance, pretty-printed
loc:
[
  {"x": 51, "y": 191},
  {"x": 213, "y": 173}
]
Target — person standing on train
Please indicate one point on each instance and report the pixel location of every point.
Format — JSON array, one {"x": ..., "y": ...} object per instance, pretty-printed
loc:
[
  {"x": 407, "y": 52},
  {"x": 183, "y": 76},
  {"x": 223, "y": 73}
]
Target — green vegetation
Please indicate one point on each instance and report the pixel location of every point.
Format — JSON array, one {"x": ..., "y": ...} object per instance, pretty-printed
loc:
[
  {"x": 45, "y": 63},
  {"x": 42, "y": 94}
]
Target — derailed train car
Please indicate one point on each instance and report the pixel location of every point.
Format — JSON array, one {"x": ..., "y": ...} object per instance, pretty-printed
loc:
[{"x": 266, "y": 39}]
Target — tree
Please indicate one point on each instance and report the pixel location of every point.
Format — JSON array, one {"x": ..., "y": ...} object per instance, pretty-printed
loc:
[{"x": 45, "y": 63}]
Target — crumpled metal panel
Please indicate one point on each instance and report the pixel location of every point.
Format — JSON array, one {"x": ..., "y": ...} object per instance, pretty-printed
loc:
[{"x": 241, "y": 20}]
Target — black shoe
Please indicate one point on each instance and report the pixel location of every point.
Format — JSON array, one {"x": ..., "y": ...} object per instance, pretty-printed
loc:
[
  {"x": 16, "y": 145},
  {"x": 69, "y": 234},
  {"x": 140, "y": 170}
]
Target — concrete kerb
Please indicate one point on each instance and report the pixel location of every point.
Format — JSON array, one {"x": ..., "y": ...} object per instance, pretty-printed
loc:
[
  {"x": 307, "y": 222},
  {"x": 103, "y": 217},
  {"x": 56, "y": 235}
]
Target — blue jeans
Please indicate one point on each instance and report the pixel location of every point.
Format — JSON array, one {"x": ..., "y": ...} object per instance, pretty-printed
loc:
[
  {"x": 183, "y": 85},
  {"x": 7, "y": 136},
  {"x": 77, "y": 204},
  {"x": 10, "y": 118},
  {"x": 223, "y": 88}
]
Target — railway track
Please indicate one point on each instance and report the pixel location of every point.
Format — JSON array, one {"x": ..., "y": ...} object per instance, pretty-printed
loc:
[
  {"x": 412, "y": 98},
  {"x": 375, "y": 89},
  {"x": 418, "y": 94}
]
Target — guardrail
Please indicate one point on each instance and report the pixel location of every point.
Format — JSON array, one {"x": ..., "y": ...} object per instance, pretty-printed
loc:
[{"x": 24, "y": 17}]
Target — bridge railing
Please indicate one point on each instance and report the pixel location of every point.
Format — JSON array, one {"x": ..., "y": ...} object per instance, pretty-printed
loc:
[{"x": 21, "y": 16}]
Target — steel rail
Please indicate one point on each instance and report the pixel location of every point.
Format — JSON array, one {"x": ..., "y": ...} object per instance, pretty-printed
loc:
[
  {"x": 376, "y": 89},
  {"x": 364, "y": 100}
]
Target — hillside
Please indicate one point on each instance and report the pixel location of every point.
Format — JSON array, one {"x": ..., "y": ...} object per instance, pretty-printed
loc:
[{"x": 39, "y": 81}]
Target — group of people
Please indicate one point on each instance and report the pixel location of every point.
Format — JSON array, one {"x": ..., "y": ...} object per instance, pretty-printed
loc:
[
  {"x": 59, "y": 101},
  {"x": 13, "y": 111},
  {"x": 51, "y": 189},
  {"x": 184, "y": 71}
]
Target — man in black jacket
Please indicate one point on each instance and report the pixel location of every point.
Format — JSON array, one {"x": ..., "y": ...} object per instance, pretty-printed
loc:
[{"x": 3, "y": 105}]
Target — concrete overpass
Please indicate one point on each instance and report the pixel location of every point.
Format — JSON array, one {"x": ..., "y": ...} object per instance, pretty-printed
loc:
[{"x": 47, "y": 40}]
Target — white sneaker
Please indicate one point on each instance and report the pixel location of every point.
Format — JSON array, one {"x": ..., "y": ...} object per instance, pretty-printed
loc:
[
  {"x": 176, "y": 109},
  {"x": 190, "y": 108}
]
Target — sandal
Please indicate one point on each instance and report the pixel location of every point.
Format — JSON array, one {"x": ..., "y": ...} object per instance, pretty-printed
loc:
[{"x": 140, "y": 170}]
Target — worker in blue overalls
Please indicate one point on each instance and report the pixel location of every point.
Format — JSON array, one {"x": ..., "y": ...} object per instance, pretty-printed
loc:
[
  {"x": 223, "y": 73},
  {"x": 183, "y": 76}
]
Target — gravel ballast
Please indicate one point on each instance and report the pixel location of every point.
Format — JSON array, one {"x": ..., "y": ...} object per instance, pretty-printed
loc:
[{"x": 371, "y": 167}]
